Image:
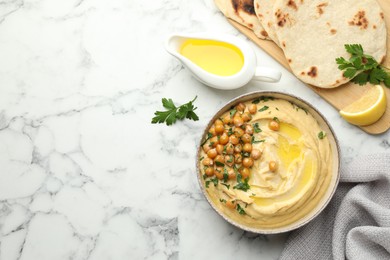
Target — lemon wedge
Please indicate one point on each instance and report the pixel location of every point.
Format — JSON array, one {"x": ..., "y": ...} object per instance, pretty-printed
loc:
[{"x": 368, "y": 109}]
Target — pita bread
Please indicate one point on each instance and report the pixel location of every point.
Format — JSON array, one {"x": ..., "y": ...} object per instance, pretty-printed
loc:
[
  {"x": 312, "y": 35},
  {"x": 263, "y": 9},
  {"x": 242, "y": 11}
]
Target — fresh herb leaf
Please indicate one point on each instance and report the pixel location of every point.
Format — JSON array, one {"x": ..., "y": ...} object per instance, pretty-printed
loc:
[
  {"x": 215, "y": 181},
  {"x": 219, "y": 164},
  {"x": 222, "y": 200},
  {"x": 174, "y": 113},
  {"x": 201, "y": 158},
  {"x": 207, "y": 183},
  {"x": 256, "y": 128},
  {"x": 244, "y": 186},
  {"x": 263, "y": 108},
  {"x": 226, "y": 185},
  {"x": 240, "y": 210},
  {"x": 321, "y": 135},
  {"x": 257, "y": 141},
  {"x": 232, "y": 112},
  {"x": 362, "y": 68},
  {"x": 256, "y": 101},
  {"x": 225, "y": 175},
  {"x": 276, "y": 119},
  {"x": 230, "y": 132}
]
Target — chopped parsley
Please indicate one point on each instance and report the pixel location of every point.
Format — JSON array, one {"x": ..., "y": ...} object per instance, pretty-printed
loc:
[
  {"x": 240, "y": 210},
  {"x": 276, "y": 119},
  {"x": 263, "y": 108},
  {"x": 256, "y": 128},
  {"x": 225, "y": 175},
  {"x": 321, "y": 135},
  {"x": 222, "y": 200},
  {"x": 242, "y": 185},
  {"x": 226, "y": 185},
  {"x": 232, "y": 112},
  {"x": 219, "y": 164},
  {"x": 257, "y": 141}
]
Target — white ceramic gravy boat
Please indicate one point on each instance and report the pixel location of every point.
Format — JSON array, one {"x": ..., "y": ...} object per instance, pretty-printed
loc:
[{"x": 249, "y": 70}]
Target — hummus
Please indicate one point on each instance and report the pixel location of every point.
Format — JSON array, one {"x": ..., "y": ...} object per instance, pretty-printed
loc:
[{"x": 289, "y": 169}]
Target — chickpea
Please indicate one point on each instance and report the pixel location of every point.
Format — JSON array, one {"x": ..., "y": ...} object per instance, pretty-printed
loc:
[
  {"x": 229, "y": 160},
  {"x": 229, "y": 148},
  {"x": 273, "y": 166},
  {"x": 209, "y": 171},
  {"x": 256, "y": 154},
  {"x": 213, "y": 141},
  {"x": 249, "y": 129},
  {"x": 212, "y": 153},
  {"x": 246, "y": 138},
  {"x": 219, "y": 159},
  {"x": 224, "y": 139},
  {"x": 227, "y": 119},
  {"x": 252, "y": 109},
  {"x": 238, "y": 148},
  {"x": 245, "y": 172},
  {"x": 246, "y": 117},
  {"x": 219, "y": 148},
  {"x": 231, "y": 204},
  {"x": 234, "y": 139},
  {"x": 247, "y": 162},
  {"x": 240, "y": 107},
  {"x": 212, "y": 131},
  {"x": 218, "y": 122},
  {"x": 219, "y": 172},
  {"x": 206, "y": 147},
  {"x": 247, "y": 148},
  {"x": 208, "y": 162},
  {"x": 231, "y": 174},
  {"x": 238, "y": 158},
  {"x": 219, "y": 129},
  {"x": 273, "y": 125},
  {"x": 238, "y": 132},
  {"x": 238, "y": 121}
]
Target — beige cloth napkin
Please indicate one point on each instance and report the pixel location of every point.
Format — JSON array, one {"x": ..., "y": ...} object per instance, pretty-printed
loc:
[{"x": 356, "y": 223}]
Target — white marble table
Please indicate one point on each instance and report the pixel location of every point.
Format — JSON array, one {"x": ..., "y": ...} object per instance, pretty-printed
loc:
[{"x": 83, "y": 172}]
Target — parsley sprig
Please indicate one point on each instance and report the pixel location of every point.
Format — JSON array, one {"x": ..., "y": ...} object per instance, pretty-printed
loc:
[
  {"x": 362, "y": 68},
  {"x": 174, "y": 113}
]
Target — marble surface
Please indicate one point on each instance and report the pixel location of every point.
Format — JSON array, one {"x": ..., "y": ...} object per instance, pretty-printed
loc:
[{"x": 83, "y": 172}]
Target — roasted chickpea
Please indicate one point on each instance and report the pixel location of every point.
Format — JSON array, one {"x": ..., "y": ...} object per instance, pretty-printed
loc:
[
  {"x": 208, "y": 162},
  {"x": 218, "y": 122},
  {"x": 238, "y": 132},
  {"x": 229, "y": 148},
  {"x": 214, "y": 141},
  {"x": 247, "y": 148},
  {"x": 206, "y": 147},
  {"x": 240, "y": 107},
  {"x": 273, "y": 125},
  {"x": 245, "y": 172},
  {"x": 238, "y": 121},
  {"x": 231, "y": 204},
  {"x": 238, "y": 148},
  {"x": 234, "y": 139},
  {"x": 256, "y": 154},
  {"x": 209, "y": 171},
  {"x": 219, "y": 172},
  {"x": 252, "y": 109},
  {"x": 229, "y": 160},
  {"x": 219, "y": 129},
  {"x": 246, "y": 117},
  {"x": 224, "y": 139},
  {"x": 227, "y": 119},
  {"x": 231, "y": 174},
  {"x": 212, "y": 153},
  {"x": 273, "y": 166},
  {"x": 247, "y": 162},
  {"x": 249, "y": 129},
  {"x": 212, "y": 131},
  {"x": 246, "y": 138},
  {"x": 219, "y": 148},
  {"x": 219, "y": 159},
  {"x": 238, "y": 158}
]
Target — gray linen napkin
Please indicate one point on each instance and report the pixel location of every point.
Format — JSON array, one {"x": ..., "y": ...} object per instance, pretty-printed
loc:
[{"x": 356, "y": 223}]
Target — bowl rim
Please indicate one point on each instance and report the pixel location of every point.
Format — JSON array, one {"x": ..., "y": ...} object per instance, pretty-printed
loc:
[{"x": 282, "y": 229}]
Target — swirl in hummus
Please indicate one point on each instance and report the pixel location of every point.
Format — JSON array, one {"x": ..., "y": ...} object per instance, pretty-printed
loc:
[{"x": 266, "y": 163}]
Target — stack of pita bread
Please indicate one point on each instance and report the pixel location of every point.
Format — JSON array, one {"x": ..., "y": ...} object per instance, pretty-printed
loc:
[{"x": 312, "y": 33}]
